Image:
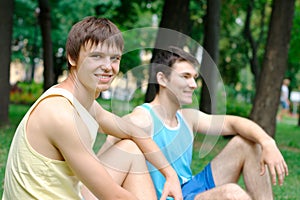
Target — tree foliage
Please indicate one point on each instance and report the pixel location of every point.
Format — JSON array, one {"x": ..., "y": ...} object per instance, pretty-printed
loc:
[
  {"x": 242, "y": 44},
  {"x": 235, "y": 50}
]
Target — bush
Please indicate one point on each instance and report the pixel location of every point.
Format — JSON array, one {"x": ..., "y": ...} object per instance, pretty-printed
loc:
[
  {"x": 239, "y": 108},
  {"x": 25, "y": 92},
  {"x": 238, "y": 103}
]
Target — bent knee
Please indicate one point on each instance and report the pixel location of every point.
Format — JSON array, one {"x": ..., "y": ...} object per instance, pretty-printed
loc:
[
  {"x": 243, "y": 144},
  {"x": 129, "y": 146},
  {"x": 241, "y": 141},
  {"x": 235, "y": 192}
]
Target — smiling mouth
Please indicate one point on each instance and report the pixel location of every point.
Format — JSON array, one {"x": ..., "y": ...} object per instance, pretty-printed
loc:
[
  {"x": 103, "y": 78},
  {"x": 188, "y": 92}
]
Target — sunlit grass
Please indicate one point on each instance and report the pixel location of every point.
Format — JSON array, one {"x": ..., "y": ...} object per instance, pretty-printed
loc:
[{"x": 287, "y": 138}]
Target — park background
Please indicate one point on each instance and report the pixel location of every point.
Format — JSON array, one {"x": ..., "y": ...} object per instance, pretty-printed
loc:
[{"x": 254, "y": 43}]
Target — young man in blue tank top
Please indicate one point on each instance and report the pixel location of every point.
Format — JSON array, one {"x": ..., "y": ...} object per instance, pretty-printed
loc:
[{"x": 251, "y": 152}]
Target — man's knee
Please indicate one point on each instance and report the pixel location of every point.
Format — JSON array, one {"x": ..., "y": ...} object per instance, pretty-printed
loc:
[
  {"x": 124, "y": 156},
  {"x": 245, "y": 145},
  {"x": 128, "y": 146},
  {"x": 233, "y": 191}
]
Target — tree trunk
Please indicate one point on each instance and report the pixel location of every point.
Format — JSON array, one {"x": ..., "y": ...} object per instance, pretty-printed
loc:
[
  {"x": 254, "y": 62},
  {"x": 45, "y": 23},
  {"x": 173, "y": 27},
  {"x": 266, "y": 100},
  {"x": 299, "y": 116},
  {"x": 6, "y": 27},
  {"x": 211, "y": 45}
]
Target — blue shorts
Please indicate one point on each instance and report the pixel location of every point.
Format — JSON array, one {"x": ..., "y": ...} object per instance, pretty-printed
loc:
[
  {"x": 284, "y": 104},
  {"x": 201, "y": 182}
]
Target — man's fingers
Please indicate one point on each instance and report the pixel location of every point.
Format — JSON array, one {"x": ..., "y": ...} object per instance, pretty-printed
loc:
[
  {"x": 280, "y": 173},
  {"x": 273, "y": 174},
  {"x": 286, "y": 170},
  {"x": 178, "y": 198},
  {"x": 164, "y": 195},
  {"x": 262, "y": 168}
]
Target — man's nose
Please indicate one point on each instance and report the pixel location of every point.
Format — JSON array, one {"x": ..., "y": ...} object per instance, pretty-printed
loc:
[
  {"x": 192, "y": 83},
  {"x": 106, "y": 63}
]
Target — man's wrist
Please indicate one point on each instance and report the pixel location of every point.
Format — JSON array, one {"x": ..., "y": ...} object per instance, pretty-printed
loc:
[
  {"x": 169, "y": 172},
  {"x": 268, "y": 142}
]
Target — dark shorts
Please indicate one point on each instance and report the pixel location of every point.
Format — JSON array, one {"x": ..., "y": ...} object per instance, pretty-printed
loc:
[
  {"x": 284, "y": 104},
  {"x": 201, "y": 182}
]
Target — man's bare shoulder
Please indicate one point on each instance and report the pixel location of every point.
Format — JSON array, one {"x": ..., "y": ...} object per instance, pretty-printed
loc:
[
  {"x": 190, "y": 113},
  {"x": 50, "y": 124},
  {"x": 193, "y": 113},
  {"x": 140, "y": 117},
  {"x": 56, "y": 110},
  {"x": 59, "y": 121},
  {"x": 195, "y": 118}
]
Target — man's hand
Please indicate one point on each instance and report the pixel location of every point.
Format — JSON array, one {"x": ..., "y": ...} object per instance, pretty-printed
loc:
[
  {"x": 172, "y": 188},
  {"x": 272, "y": 157}
]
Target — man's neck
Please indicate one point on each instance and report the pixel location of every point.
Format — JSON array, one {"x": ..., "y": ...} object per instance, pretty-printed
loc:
[
  {"x": 166, "y": 110},
  {"x": 85, "y": 97}
]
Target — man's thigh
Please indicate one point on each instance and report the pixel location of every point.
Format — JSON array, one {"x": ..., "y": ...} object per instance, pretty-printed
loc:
[
  {"x": 228, "y": 164},
  {"x": 226, "y": 191},
  {"x": 121, "y": 158}
]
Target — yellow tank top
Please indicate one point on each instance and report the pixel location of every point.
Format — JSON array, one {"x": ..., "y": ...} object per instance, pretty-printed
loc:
[{"x": 30, "y": 175}]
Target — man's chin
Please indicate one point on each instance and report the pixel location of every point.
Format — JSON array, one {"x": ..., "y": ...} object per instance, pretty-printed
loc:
[
  {"x": 186, "y": 103},
  {"x": 102, "y": 88},
  {"x": 99, "y": 90}
]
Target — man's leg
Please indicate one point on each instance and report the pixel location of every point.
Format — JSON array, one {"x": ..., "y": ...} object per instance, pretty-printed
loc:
[
  {"x": 126, "y": 164},
  {"x": 242, "y": 156},
  {"x": 202, "y": 186},
  {"x": 229, "y": 191}
]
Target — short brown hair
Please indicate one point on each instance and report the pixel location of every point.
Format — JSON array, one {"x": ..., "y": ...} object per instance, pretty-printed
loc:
[
  {"x": 94, "y": 30},
  {"x": 163, "y": 61}
]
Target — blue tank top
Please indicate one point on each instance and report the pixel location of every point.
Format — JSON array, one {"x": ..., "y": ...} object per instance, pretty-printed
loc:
[{"x": 177, "y": 146}]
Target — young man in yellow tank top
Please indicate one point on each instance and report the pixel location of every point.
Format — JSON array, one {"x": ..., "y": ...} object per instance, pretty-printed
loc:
[{"x": 51, "y": 153}]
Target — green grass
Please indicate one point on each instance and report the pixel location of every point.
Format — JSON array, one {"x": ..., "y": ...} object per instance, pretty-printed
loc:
[
  {"x": 287, "y": 138},
  {"x": 16, "y": 112}
]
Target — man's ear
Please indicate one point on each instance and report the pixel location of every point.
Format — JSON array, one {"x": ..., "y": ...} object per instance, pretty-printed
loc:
[
  {"x": 161, "y": 79},
  {"x": 71, "y": 61}
]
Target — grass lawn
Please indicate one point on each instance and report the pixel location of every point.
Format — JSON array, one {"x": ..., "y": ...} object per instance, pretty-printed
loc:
[{"x": 287, "y": 138}]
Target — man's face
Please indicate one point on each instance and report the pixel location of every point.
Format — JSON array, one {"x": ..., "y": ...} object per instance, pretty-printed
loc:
[
  {"x": 97, "y": 66},
  {"x": 182, "y": 82}
]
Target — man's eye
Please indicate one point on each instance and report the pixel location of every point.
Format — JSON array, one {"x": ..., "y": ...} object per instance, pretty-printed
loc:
[
  {"x": 115, "y": 58},
  {"x": 96, "y": 56}
]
